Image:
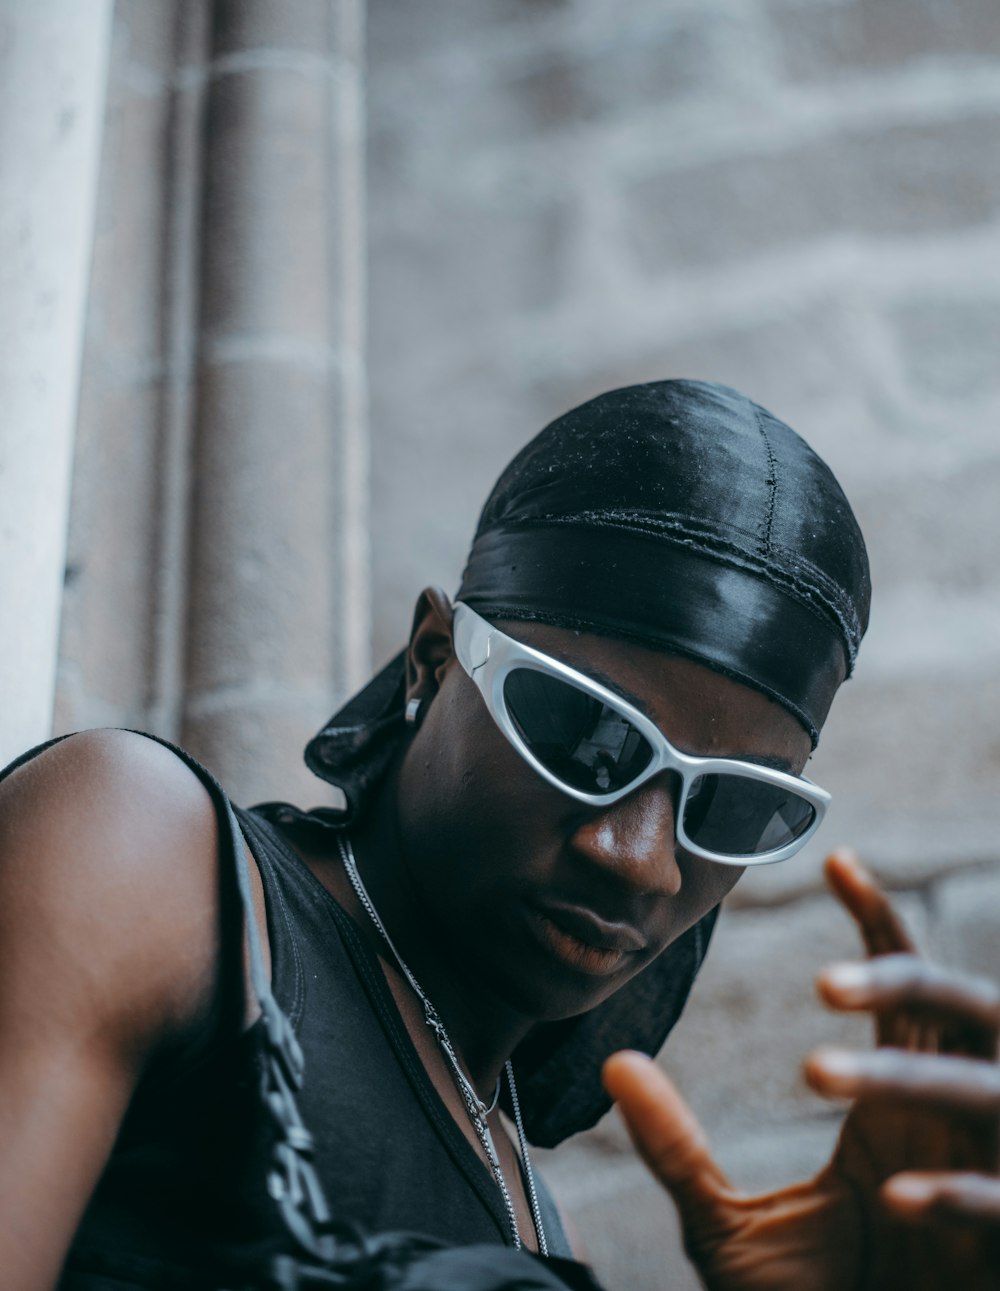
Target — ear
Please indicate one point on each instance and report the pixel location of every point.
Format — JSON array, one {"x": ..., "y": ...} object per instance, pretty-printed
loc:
[{"x": 430, "y": 648}]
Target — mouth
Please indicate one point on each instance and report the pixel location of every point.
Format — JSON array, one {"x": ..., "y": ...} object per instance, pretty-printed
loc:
[{"x": 583, "y": 939}]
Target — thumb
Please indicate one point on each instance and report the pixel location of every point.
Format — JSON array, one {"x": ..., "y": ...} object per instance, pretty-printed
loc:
[{"x": 668, "y": 1137}]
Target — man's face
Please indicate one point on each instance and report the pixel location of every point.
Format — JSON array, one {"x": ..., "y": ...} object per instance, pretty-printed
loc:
[{"x": 551, "y": 904}]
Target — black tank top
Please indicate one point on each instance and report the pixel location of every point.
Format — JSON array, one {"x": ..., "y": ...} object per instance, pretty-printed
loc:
[{"x": 183, "y": 1203}]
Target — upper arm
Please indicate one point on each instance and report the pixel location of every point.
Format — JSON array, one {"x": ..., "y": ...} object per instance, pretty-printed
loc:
[{"x": 108, "y": 939}]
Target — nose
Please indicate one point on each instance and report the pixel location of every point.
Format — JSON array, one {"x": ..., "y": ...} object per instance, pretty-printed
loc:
[{"x": 635, "y": 840}]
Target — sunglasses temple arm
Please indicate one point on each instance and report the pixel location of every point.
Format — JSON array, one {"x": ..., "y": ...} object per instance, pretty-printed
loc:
[{"x": 471, "y": 638}]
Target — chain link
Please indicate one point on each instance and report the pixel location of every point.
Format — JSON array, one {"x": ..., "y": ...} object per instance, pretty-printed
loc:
[{"x": 476, "y": 1108}]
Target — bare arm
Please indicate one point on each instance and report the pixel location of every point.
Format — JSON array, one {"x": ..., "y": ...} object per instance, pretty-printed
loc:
[{"x": 108, "y": 939}]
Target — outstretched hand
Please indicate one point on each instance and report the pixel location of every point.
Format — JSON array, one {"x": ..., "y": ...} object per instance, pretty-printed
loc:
[{"x": 911, "y": 1197}]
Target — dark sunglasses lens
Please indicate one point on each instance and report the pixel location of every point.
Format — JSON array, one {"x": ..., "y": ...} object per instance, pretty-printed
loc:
[
  {"x": 735, "y": 815},
  {"x": 580, "y": 740}
]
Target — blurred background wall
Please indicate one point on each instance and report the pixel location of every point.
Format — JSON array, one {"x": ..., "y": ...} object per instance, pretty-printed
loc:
[{"x": 798, "y": 197}]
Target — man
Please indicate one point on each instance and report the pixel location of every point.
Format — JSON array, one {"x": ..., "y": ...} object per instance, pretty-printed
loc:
[{"x": 548, "y": 795}]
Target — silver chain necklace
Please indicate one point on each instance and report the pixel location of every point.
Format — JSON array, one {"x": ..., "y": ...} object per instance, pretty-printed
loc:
[{"x": 474, "y": 1105}]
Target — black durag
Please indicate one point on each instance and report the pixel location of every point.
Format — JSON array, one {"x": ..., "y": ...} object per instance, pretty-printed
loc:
[{"x": 682, "y": 516}]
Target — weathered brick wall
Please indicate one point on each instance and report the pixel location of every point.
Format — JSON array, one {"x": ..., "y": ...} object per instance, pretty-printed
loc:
[{"x": 800, "y": 198}]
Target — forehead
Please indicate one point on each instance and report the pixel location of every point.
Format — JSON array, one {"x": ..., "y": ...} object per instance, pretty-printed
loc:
[{"x": 698, "y": 709}]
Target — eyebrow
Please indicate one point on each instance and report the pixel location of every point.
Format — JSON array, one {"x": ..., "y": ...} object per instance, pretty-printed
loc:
[
  {"x": 760, "y": 759},
  {"x": 764, "y": 760},
  {"x": 596, "y": 674}
]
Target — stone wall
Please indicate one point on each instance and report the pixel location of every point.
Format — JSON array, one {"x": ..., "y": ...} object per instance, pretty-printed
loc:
[{"x": 797, "y": 197}]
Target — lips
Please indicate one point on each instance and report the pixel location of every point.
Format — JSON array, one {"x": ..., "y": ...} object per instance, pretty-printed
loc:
[
  {"x": 584, "y": 939},
  {"x": 591, "y": 928}
]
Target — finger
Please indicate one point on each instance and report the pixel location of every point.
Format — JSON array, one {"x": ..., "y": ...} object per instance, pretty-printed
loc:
[
  {"x": 882, "y": 932},
  {"x": 934, "y": 1080},
  {"x": 916, "y": 1194},
  {"x": 666, "y": 1133},
  {"x": 908, "y": 981},
  {"x": 881, "y": 928}
]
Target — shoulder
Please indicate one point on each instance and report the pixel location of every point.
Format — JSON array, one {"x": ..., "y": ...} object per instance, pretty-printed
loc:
[
  {"x": 108, "y": 951},
  {"x": 108, "y": 862},
  {"x": 118, "y": 764}
]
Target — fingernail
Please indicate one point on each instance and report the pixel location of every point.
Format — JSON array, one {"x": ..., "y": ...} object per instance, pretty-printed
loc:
[
  {"x": 847, "y": 977},
  {"x": 836, "y": 1062},
  {"x": 908, "y": 1188},
  {"x": 849, "y": 857}
]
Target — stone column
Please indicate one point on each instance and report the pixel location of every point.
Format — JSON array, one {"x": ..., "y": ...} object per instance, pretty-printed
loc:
[
  {"x": 53, "y": 56},
  {"x": 278, "y": 616},
  {"x": 124, "y": 607}
]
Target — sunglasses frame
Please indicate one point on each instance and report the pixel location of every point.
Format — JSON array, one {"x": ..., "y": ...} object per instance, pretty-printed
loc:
[{"x": 488, "y": 656}]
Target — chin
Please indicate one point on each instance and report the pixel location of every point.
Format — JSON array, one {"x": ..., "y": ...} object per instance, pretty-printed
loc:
[{"x": 550, "y": 995}]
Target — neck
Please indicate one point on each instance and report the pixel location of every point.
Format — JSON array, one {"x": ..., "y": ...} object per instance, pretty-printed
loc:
[{"x": 482, "y": 1027}]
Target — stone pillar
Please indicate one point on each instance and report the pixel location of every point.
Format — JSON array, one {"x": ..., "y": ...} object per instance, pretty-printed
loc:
[
  {"x": 124, "y": 607},
  {"x": 53, "y": 56},
  {"x": 278, "y": 616}
]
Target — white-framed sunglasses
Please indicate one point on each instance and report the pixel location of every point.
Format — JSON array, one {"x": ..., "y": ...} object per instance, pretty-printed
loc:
[{"x": 595, "y": 746}]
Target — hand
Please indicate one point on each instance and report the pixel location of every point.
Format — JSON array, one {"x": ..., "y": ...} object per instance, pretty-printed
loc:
[
  {"x": 919, "y": 1144},
  {"x": 922, "y": 1140}
]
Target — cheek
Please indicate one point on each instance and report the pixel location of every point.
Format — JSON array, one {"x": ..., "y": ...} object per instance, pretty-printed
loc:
[
  {"x": 724, "y": 879},
  {"x": 705, "y": 885},
  {"x": 719, "y": 880},
  {"x": 444, "y": 748},
  {"x": 464, "y": 793},
  {"x": 460, "y": 760}
]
